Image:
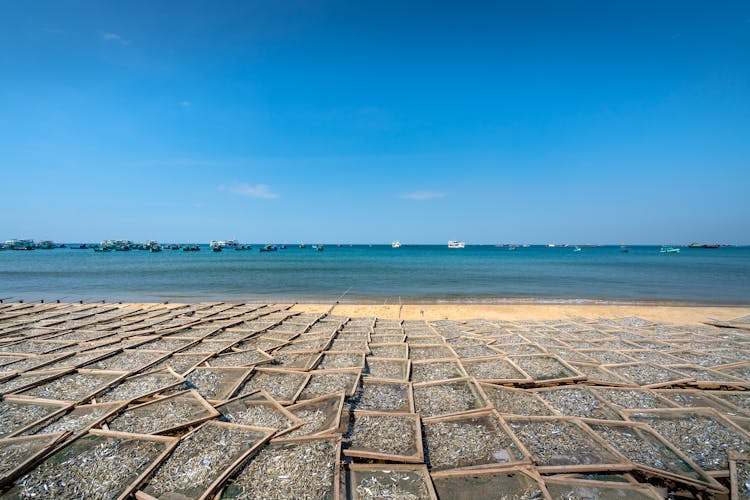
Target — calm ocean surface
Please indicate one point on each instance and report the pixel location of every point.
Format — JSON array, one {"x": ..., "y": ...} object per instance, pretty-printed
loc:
[{"x": 381, "y": 274}]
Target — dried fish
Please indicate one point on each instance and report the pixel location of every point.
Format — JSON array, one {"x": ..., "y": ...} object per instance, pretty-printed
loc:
[
  {"x": 493, "y": 369},
  {"x": 705, "y": 439},
  {"x": 240, "y": 358},
  {"x": 469, "y": 441},
  {"x": 304, "y": 470},
  {"x": 390, "y": 484},
  {"x": 743, "y": 478},
  {"x": 282, "y": 386},
  {"x": 400, "y": 351},
  {"x": 543, "y": 367},
  {"x": 643, "y": 448},
  {"x": 74, "y": 421},
  {"x": 342, "y": 360},
  {"x": 578, "y": 402},
  {"x": 74, "y": 386},
  {"x": 559, "y": 443},
  {"x": 90, "y": 467},
  {"x": 388, "y": 368},
  {"x": 215, "y": 383},
  {"x": 418, "y": 353},
  {"x": 384, "y": 397},
  {"x": 15, "y": 415},
  {"x": 324, "y": 383},
  {"x": 316, "y": 420},
  {"x": 128, "y": 361},
  {"x": 631, "y": 399},
  {"x": 435, "y": 370},
  {"x": 200, "y": 458},
  {"x": 13, "y": 453},
  {"x": 516, "y": 401},
  {"x": 394, "y": 435},
  {"x": 161, "y": 415},
  {"x": 258, "y": 414},
  {"x": 139, "y": 386},
  {"x": 446, "y": 398}
]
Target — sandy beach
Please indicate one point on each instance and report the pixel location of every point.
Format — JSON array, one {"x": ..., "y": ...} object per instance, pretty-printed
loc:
[{"x": 529, "y": 312}]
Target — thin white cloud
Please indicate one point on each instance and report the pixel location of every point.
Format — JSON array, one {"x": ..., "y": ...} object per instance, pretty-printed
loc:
[
  {"x": 108, "y": 36},
  {"x": 422, "y": 195},
  {"x": 252, "y": 190}
]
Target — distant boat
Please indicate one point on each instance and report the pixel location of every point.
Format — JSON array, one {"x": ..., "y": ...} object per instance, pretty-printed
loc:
[
  {"x": 512, "y": 248},
  {"x": 396, "y": 244},
  {"x": 576, "y": 249},
  {"x": 319, "y": 248},
  {"x": 282, "y": 247},
  {"x": 702, "y": 245},
  {"x": 268, "y": 248},
  {"x": 551, "y": 245},
  {"x": 20, "y": 244},
  {"x": 669, "y": 249},
  {"x": 456, "y": 244},
  {"x": 46, "y": 245},
  {"x": 623, "y": 248},
  {"x": 216, "y": 246},
  {"x": 302, "y": 245},
  {"x": 155, "y": 248},
  {"x": 243, "y": 247},
  {"x": 191, "y": 248}
]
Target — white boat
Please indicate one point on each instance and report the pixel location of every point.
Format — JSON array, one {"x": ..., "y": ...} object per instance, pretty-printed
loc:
[
  {"x": 551, "y": 245},
  {"x": 456, "y": 244},
  {"x": 230, "y": 243},
  {"x": 396, "y": 244}
]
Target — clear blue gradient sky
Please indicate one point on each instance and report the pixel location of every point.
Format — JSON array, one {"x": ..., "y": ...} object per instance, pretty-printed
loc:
[{"x": 341, "y": 121}]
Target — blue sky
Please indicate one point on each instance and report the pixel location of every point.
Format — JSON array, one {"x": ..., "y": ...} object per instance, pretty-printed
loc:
[{"x": 372, "y": 121}]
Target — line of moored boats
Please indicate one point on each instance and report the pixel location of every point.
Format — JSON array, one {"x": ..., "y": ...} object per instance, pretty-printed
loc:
[{"x": 220, "y": 245}]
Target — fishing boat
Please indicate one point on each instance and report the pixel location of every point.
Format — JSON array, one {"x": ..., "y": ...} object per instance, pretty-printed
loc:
[
  {"x": 302, "y": 245},
  {"x": 268, "y": 248},
  {"x": 46, "y": 245},
  {"x": 456, "y": 244},
  {"x": 230, "y": 243},
  {"x": 20, "y": 245},
  {"x": 191, "y": 248},
  {"x": 623, "y": 248},
  {"x": 155, "y": 247},
  {"x": 243, "y": 247},
  {"x": 396, "y": 244},
  {"x": 576, "y": 249},
  {"x": 216, "y": 246},
  {"x": 318, "y": 247},
  {"x": 512, "y": 248},
  {"x": 669, "y": 249},
  {"x": 702, "y": 245}
]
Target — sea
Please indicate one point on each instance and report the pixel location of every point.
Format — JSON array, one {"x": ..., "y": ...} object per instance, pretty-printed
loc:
[{"x": 380, "y": 274}]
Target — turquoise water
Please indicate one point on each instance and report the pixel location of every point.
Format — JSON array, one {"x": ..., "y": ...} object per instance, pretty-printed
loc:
[{"x": 381, "y": 274}]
